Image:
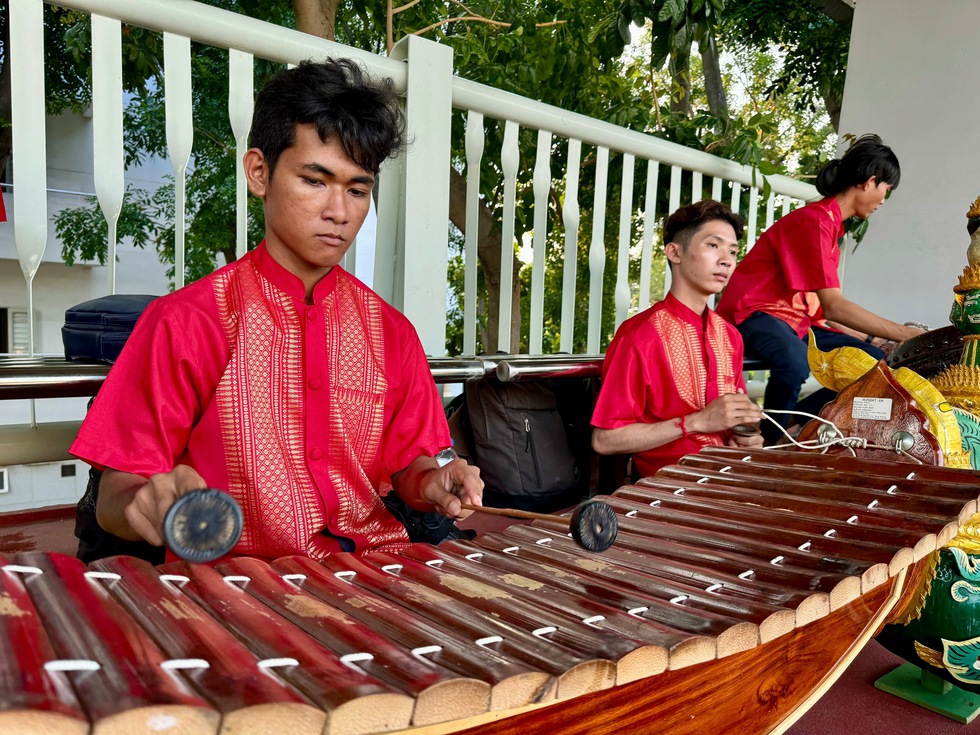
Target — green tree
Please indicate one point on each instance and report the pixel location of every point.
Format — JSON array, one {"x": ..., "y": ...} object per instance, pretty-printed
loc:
[
  {"x": 518, "y": 47},
  {"x": 814, "y": 44}
]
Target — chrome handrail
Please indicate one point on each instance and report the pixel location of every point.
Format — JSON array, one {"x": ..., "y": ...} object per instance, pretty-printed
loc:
[
  {"x": 52, "y": 376},
  {"x": 543, "y": 367}
]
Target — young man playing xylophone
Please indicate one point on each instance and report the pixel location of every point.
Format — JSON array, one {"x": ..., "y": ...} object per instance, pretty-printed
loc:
[
  {"x": 787, "y": 286},
  {"x": 672, "y": 377},
  {"x": 281, "y": 378}
]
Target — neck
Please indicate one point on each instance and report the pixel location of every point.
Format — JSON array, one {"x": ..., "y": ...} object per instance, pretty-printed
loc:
[
  {"x": 846, "y": 205},
  {"x": 693, "y": 300}
]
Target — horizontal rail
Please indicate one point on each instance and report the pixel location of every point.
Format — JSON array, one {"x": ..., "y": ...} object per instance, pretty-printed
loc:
[
  {"x": 502, "y": 105},
  {"x": 48, "y": 377},
  {"x": 224, "y": 29},
  {"x": 549, "y": 366},
  {"x": 52, "y": 376}
]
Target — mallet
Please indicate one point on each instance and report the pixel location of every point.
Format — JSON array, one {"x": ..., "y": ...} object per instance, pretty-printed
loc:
[
  {"x": 203, "y": 525},
  {"x": 593, "y": 524}
]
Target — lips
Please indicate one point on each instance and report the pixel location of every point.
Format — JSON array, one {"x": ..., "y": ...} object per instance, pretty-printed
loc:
[{"x": 331, "y": 239}]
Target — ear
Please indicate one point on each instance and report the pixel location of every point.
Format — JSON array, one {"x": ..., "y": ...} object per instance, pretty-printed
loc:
[
  {"x": 871, "y": 183},
  {"x": 256, "y": 172},
  {"x": 672, "y": 251}
]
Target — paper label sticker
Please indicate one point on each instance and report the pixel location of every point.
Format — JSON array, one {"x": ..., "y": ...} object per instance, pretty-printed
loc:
[{"x": 876, "y": 409}]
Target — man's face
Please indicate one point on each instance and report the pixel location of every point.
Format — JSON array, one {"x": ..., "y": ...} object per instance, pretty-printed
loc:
[
  {"x": 871, "y": 195},
  {"x": 315, "y": 203},
  {"x": 707, "y": 263}
]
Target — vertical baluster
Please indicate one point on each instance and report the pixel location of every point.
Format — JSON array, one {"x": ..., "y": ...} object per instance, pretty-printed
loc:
[
  {"x": 622, "y": 295},
  {"x": 716, "y": 184},
  {"x": 649, "y": 224},
  {"x": 597, "y": 249},
  {"x": 570, "y": 220},
  {"x": 736, "y": 196},
  {"x": 697, "y": 187},
  {"x": 509, "y": 158},
  {"x": 673, "y": 202},
  {"x": 30, "y": 166},
  {"x": 180, "y": 132},
  {"x": 475, "y": 139},
  {"x": 107, "y": 129},
  {"x": 787, "y": 202},
  {"x": 241, "y": 103},
  {"x": 753, "y": 224},
  {"x": 542, "y": 188},
  {"x": 770, "y": 210}
]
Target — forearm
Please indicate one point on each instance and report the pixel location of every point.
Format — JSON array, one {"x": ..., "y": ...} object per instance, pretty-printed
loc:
[
  {"x": 410, "y": 482},
  {"x": 856, "y": 317},
  {"x": 637, "y": 437},
  {"x": 846, "y": 330},
  {"x": 116, "y": 492}
]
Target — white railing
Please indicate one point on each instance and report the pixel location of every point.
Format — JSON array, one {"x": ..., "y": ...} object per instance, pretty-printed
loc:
[{"x": 413, "y": 231}]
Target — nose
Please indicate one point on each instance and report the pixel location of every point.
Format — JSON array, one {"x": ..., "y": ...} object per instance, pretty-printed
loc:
[{"x": 334, "y": 206}]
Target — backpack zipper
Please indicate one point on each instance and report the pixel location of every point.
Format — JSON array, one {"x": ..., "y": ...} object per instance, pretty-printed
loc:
[{"x": 529, "y": 447}]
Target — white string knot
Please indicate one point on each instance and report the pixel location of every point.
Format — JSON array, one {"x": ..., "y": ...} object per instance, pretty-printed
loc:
[{"x": 855, "y": 442}]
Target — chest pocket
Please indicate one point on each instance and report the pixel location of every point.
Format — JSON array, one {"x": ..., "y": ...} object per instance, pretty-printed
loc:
[{"x": 361, "y": 415}]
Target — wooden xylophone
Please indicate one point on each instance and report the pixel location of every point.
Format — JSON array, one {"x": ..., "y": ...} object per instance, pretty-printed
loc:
[{"x": 741, "y": 583}]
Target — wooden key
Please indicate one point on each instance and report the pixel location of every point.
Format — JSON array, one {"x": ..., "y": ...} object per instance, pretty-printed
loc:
[{"x": 593, "y": 524}]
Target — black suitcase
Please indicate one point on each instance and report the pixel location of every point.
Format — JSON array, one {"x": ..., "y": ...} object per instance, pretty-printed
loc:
[{"x": 98, "y": 329}]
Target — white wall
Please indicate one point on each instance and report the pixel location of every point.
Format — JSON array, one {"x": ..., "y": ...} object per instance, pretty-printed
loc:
[
  {"x": 56, "y": 286},
  {"x": 39, "y": 485},
  {"x": 69, "y": 154},
  {"x": 911, "y": 78}
]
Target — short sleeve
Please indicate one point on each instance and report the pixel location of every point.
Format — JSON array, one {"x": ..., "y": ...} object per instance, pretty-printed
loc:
[
  {"x": 806, "y": 252},
  {"x": 416, "y": 422},
  {"x": 622, "y": 396},
  {"x": 142, "y": 417}
]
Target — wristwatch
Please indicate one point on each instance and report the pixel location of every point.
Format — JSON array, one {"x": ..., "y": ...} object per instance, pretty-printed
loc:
[{"x": 870, "y": 339}]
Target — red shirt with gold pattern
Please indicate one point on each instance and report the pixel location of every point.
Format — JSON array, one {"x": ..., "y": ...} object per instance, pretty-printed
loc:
[
  {"x": 302, "y": 412},
  {"x": 795, "y": 257},
  {"x": 663, "y": 363}
]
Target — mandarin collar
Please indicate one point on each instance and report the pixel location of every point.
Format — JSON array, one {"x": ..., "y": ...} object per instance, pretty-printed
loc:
[
  {"x": 289, "y": 283},
  {"x": 683, "y": 311}
]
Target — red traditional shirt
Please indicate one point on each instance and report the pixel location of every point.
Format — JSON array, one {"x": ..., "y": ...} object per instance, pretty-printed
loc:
[
  {"x": 302, "y": 412},
  {"x": 663, "y": 363},
  {"x": 795, "y": 257}
]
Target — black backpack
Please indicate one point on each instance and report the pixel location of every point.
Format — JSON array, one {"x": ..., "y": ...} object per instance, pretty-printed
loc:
[{"x": 518, "y": 439}]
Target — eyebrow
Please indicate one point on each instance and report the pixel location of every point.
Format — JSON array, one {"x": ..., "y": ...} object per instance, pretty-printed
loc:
[{"x": 324, "y": 171}]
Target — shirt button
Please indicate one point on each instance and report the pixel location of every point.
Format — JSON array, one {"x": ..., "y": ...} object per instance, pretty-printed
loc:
[
  {"x": 310, "y": 315},
  {"x": 315, "y": 383},
  {"x": 315, "y": 454}
]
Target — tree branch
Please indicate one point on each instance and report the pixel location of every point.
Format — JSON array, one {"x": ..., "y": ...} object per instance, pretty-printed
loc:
[{"x": 394, "y": 11}]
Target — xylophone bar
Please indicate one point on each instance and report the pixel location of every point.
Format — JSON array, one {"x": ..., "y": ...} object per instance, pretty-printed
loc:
[{"x": 723, "y": 564}]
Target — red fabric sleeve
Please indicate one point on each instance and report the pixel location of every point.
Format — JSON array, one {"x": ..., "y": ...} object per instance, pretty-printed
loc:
[
  {"x": 807, "y": 252},
  {"x": 415, "y": 422},
  {"x": 625, "y": 382},
  {"x": 144, "y": 413}
]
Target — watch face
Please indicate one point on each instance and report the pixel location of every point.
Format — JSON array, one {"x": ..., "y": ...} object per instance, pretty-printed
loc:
[{"x": 203, "y": 525}]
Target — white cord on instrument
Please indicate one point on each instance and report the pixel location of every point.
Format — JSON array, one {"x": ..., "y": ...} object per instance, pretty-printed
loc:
[{"x": 848, "y": 442}]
